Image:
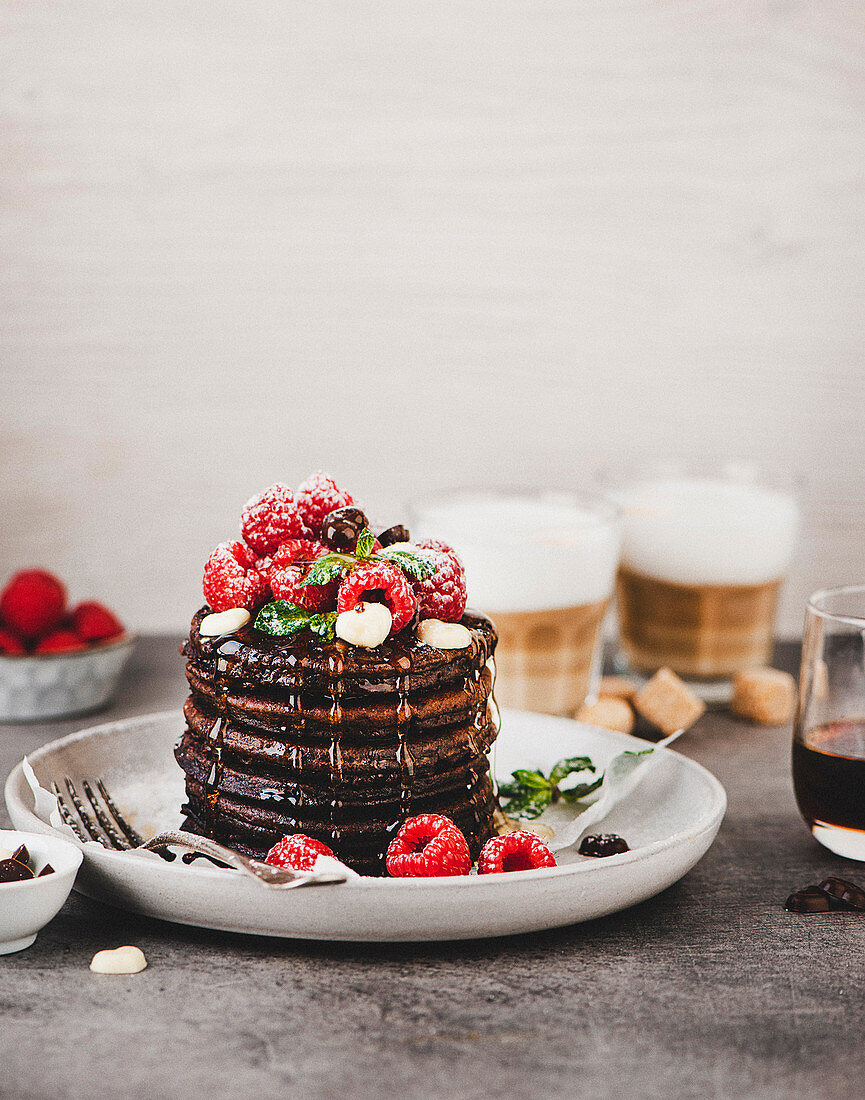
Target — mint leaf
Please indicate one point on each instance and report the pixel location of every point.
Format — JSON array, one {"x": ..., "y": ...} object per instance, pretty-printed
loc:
[
  {"x": 582, "y": 790},
  {"x": 526, "y": 803},
  {"x": 281, "y": 618},
  {"x": 534, "y": 780},
  {"x": 326, "y": 569},
  {"x": 365, "y": 544},
  {"x": 567, "y": 767},
  {"x": 416, "y": 564},
  {"x": 324, "y": 625}
]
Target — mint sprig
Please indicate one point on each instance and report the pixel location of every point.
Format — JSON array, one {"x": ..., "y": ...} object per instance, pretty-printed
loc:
[
  {"x": 416, "y": 564},
  {"x": 282, "y": 619},
  {"x": 365, "y": 543},
  {"x": 326, "y": 569},
  {"x": 531, "y": 792}
]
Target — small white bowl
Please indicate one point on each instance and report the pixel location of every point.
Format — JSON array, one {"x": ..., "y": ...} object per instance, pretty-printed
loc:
[
  {"x": 27, "y": 906},
  {"x": 40, "y": 686}
]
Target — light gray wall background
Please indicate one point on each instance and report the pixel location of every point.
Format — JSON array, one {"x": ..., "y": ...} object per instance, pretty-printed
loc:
[{"x": 418, "y": 244}]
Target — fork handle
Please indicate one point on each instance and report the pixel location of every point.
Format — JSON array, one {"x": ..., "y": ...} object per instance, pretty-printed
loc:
[
  {"x": 201, "y": 844},
  {"x": 207, "y": 847}
]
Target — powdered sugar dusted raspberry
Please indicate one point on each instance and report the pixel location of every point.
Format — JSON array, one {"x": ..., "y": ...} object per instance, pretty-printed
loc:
[
  {"x": 272, "y": 518},
  {"x": 519, "y": 851},
  {"x": 319, "y": 495},
  {"x": 382, "y": 577},
  {"x": 288, "y": 569},
  {"x": 231, "y": 578},
  {"x": 428, "y": 846},
  {"x": 443, "y": 595},
  {"x": 297, "y": 852}
]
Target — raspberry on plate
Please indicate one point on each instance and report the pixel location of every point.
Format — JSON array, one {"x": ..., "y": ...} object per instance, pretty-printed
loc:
[
  {"x": 32, "y": 603},
  {"x": 384, "y": 577},
  {"x": 272, "y": 518},
  {"x": 443, "y": 595},
  {"x": 319, "y": 495},
  {"x": 287, "y": 570},
  {"x": 10, "y": 643},
  {"x": 428, "y": 846},
  {"x": 60, "y": 641},
  {"x": 231, "y": 578},
  {"x": 297, "y": 852},
  {"x": 519, "y": 851},
  {"x": 93, "y": 622}
]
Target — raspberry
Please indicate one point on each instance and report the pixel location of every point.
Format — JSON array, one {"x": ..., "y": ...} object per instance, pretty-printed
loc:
[
  {"x": 298, "y": 852},
  {"x": 428, "y": 846},
  {"x": 9, "y": 643},
  {"x": 60, "y": 641},
  {"x": 271, "y": 518},
  {"x": 319, "y": 495},
  {"x": 93, "y": 622},
  {"x": 443, "y": 596},
  {"x": 381, "y": 576},
  {"x": 231, "y": 578},
  {"x": 515, "y": 852},
  {"x": 32, "y": 603},
  {"x": 287, "y": 570}
]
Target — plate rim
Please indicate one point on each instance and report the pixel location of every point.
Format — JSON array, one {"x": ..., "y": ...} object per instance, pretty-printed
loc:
[{"x": 711, "y": 817}]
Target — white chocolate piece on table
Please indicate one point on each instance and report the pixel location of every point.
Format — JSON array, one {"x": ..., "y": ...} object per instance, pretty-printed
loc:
[
  {"x": 668, "y": 703},
  {"x": 223, "y": 622},
  {"x": 366, "y": 625},
  {"x": 443, "y": 635},
  {"x": 764, "y": 695},
  {"x": 122, "y": 960}
]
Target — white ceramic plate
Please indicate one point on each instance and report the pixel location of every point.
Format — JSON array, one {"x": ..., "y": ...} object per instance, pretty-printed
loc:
[{"x": 670, "y": 820}]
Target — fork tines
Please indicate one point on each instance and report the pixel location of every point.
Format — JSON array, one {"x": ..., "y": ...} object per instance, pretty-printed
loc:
[{"x": 95, "y": 815}]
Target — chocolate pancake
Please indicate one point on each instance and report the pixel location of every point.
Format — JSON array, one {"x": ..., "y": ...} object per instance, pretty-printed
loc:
[{"x": 297, "y": 735}]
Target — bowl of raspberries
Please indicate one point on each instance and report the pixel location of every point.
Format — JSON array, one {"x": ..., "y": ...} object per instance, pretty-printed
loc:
[{"x": 56, "y": 660}]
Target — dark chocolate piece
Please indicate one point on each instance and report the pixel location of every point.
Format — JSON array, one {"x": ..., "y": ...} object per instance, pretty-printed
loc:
[
  {"x": 46, "y": 870},
  {"x": 22, "y": 855},
  {"x": 811, "y": 899},
  {"x": 13, "y": 871},
  {"x": 341, "y": 527},
  {"x": 849, "y": 893},
  {"x": 603, "y": 844},
  {"x": 397, "y": 533}
]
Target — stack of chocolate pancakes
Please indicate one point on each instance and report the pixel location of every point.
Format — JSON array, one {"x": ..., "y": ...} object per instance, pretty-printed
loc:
[{"x": 297, "y": 735}]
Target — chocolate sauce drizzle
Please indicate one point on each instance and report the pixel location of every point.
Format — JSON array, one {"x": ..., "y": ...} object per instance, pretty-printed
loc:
[{"x": 247, "y": 658}]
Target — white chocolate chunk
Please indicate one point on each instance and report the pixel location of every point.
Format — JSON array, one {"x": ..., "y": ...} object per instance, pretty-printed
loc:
[
  {"x": 224, "y": 622},
  {"x": 444, "y": 635},
  {"x": 5, "y": 853},
  {"x": 122, "y": 960},
  {"x": 367, "y": 625}
]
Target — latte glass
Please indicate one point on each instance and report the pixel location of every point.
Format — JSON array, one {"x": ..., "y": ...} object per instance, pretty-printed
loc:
[
  {"x": 829, "y": 729},
  {"x": 704, "y": 552},
  {"x": 542, "y": 566}
]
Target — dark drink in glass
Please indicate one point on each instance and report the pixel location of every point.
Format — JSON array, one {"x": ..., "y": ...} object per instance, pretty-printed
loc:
[{"x": 829, "y": 731}]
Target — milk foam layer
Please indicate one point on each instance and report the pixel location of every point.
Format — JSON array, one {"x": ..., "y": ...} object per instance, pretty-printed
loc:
[
  {"x": 524, "y": 554},
  {"x": 707, "y": 531}
]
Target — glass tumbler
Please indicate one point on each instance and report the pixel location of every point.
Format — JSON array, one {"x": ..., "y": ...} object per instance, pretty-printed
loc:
[
  {"x": 541, "y": 564},
  {"x": 829, "y": 730}
]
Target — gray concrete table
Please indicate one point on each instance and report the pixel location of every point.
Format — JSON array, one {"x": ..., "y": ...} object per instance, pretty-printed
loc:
[{"x": 709, "y": 989}]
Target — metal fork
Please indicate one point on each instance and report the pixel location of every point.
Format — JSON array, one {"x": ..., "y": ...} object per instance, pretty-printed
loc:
[{"x": 95, "y": 816}]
